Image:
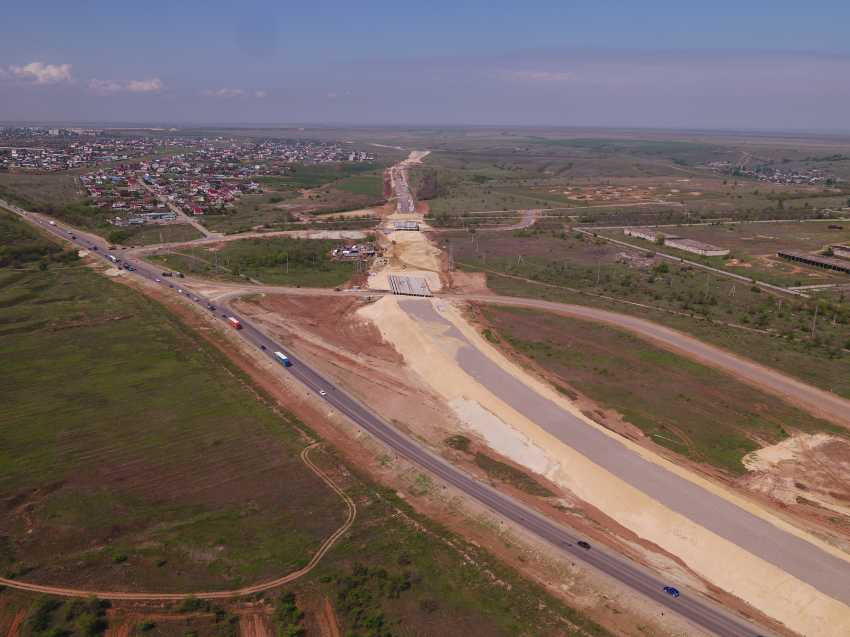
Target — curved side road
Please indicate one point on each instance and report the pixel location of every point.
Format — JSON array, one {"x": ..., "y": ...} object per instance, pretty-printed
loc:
[
  {"x": 690, "y": 347},
  {"x": 352, "y": 512}
]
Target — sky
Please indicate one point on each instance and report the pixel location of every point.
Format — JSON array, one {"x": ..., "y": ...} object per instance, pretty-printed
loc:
[{"x": 750, "y": 65}]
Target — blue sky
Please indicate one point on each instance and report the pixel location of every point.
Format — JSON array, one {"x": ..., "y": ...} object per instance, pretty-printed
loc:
[{"x": 759, "y": 65}]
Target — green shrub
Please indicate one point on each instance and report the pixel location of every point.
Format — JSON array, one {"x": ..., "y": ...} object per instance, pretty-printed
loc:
[{"x": 146, "y": 624}]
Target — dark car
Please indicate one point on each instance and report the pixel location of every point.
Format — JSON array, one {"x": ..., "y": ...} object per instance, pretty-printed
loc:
[
  {"x": 672, "y": 591},
  {"x": 584, "y": 545},
  {"x": 224, "y": 316},
  {"x": 262, "y": 347},
  {"x": 171, "y": 286},
  {"x": 73, "y": 237},
  {"x": 94, "y": 247},
  {"x": 212, "y": 308},
  {"x": 189, "y": 295}
]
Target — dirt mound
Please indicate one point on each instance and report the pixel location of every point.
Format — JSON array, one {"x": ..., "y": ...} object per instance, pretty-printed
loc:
[
  {"x": 327, "y": 320},
  {"x": 803, "y": 469},
  {"x": 469, "y": 283}
]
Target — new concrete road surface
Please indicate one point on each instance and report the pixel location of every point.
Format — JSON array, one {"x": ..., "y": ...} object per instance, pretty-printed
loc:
[
  {"x": 703, "y": 614},
  {"x": 734, "y": 365},
  {"x": 795, "y": 556}
]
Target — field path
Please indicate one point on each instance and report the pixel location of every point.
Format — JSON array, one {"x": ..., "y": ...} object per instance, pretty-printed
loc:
[{"x": 70, "y": 592}]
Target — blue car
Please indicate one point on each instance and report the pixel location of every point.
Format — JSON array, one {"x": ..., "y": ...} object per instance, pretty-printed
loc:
[{"x": 671, "y": 590}]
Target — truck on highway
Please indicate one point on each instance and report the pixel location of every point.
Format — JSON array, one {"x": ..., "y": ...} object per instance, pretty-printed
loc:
[
  {"x": 111, "y": 258},
  {"x": 52, "y": 223},
  {"x": 167, "y": 274},
  {"x": 236, "y": 324},
  {"x": 283, "y": 359}
]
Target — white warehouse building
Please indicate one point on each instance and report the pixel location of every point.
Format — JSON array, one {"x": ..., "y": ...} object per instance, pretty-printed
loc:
[{"x": 680, "y": 243}]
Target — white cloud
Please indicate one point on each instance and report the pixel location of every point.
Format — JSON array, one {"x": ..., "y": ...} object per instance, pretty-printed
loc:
[
  {"x": 223, "y": 93},
  {"x": 109, "y": 87},
  {"x": 261, "y": 94},
  {"x": 40, "y": 73}
]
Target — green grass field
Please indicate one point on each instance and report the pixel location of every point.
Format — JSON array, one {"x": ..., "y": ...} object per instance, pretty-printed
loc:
[
  {"x": 266, "y": 260},
  {"x": 123, "y": 435},
  {"x": 683, "y": 406},
  {"x": 152, "y": 234}
]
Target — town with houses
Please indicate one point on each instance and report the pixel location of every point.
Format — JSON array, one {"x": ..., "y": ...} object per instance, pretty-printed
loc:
[
  {"x": 208, "y": 176},
  {"x": 64, "y": 149},
  {"x": 772, "y": 174}
]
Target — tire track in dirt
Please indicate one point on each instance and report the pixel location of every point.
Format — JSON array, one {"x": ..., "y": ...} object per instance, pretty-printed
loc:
[{"x": 250, "y": 590}]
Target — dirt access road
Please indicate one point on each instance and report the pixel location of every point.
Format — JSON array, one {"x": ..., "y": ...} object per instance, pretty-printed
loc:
[
  {"x": 250, "y": 590},
  {"x": 817, "y": 401}
]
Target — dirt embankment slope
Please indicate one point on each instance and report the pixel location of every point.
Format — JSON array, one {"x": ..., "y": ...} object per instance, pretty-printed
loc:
[{"x": 346, "y": 346}]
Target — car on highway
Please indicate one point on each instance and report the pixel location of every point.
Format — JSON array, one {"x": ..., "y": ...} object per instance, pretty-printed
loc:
[
  {"x": 262, "y": 347},
  {"x": 189, "y": 295},
  {"x": 197, "y": 299},
  {"x": 158, "y": 281},
  {"x": 672, "y": 591},
  {"x": 323, "y": 392},
  {"x": 94, "y": 247},
  {"x": 212, "y": 308},
  {"x": 584, "y": 545},
  {"x": 224, "y": 316},
  {"x": 73, "y": 237},
  {"x": 69, "y": 232},
  {"x": 149, "y": 276},
  {"x": 171, "y": 286}
]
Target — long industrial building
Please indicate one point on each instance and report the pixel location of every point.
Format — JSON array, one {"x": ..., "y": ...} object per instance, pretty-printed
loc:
[
  {"x": 680, "y": 243},
  {"x": 816, "y": 260}
]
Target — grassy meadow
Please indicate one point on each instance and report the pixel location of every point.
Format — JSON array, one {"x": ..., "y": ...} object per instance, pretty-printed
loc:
[{"x": 265, "y": 259}]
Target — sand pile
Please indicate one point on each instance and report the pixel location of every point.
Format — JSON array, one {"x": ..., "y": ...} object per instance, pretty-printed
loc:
[{"x": 802, "y": 470}]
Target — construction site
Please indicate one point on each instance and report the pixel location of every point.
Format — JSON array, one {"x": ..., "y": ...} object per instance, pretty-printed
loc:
[{"x": 742, "y": 502}]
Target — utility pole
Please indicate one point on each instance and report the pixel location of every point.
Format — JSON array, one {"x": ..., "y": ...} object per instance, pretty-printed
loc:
[
  {"x": 216, "y": 262},
  {"x": 780, "y": 303},
  {"x": 598, "y": 272},
  {"x": 193, "y": 258},
  {"x": 732, "y": 293},
  {"x": 815, "y": 320},
  {"x": 707, "y": 277},
  {"x": 451, "y": 257}
]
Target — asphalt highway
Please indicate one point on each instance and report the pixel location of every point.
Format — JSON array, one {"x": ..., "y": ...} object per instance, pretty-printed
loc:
[{"x": 705, "y": 615}]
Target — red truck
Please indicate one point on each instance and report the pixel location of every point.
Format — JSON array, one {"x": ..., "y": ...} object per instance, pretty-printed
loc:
[{"x": 235, "y": 323}]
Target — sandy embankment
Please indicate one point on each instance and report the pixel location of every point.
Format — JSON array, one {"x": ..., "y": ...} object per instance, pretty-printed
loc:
[
  {"x": 810, "y": 469},
  {"x": 417, "y": 253},
  {"x": 431, "y": 354}
]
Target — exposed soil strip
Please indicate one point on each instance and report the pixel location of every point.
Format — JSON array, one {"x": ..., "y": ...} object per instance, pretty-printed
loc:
[{"x": 250, "y": 590}]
